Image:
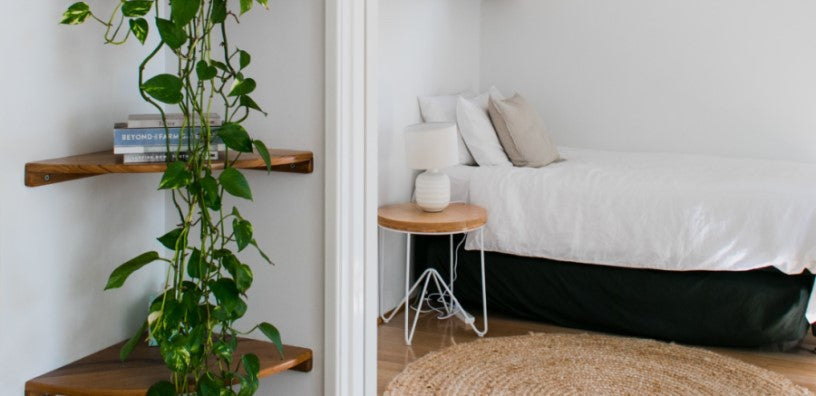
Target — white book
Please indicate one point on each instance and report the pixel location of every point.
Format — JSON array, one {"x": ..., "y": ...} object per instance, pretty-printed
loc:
[
  {"x": 157, "y": 149},
  {"x": 174, "y": 120},
  {"x": 157, "y": 157}
]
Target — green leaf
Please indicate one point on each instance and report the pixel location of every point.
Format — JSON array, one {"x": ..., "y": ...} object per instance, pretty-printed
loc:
[
  {"x": 235, "y": 137},
  {"x": 249, "y": 385},
  {"x": 183, "y": 11},
  {"x": 176, "y": 355},
  {"x": 171, "y": 34},
  {"x": 212, "y": 199},
  {"x": 156, "y": 305},
  {"x": 170, "y": 239},
  {"x": 190, "y": 299},
  {"x": 223, "y": 351},
  {"x": 162, "y": 388},
  {"x": 176, "y": 176},
  {"x": 264, "y": 3},
  {"x": 220, "y": 314},
  {"x": 195, "y": 341},
  {"x": 210, "y": 385},
  {"x": 242, "y": 87},
  {"x": 228, "y": 296},
  {"x": 273, "y": 334},
  {"x": 136, "y": 8},
  {"x": 246, "y": 5},
  {"x": 219, "y": 11},
  {"x": 139, "y": 29},
  {"x": 120, "y": 274},
  {"x": 219, "y": 65},
  {"x": 243, "y": 59},
  {"x": 128, "y": 347},
  {"x": 165, "y": 88},
  {"x": 235, "y": 183},
  {"x": 243, "y": 277},
  {"x": 236, "y": 213},
  {"x": 204, "y": 71},
  {"x": 250, "y": 103},
  {"x": 194, "y": 264},
  {"x": 243, "y": 233},
  {"x": 173, "y": 313},
  {"x": 265, "y": 257},
  {"x": 260, "y": 147},
  {"x": 76, "y": 14},
  {"x": 221, "y": 253},
  {"x": 230, "y": 262},
  {"x": 252, "y": 365}
]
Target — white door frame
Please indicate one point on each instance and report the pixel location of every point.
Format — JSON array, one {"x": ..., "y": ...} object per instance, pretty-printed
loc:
[{"x": 351, "y": 199}]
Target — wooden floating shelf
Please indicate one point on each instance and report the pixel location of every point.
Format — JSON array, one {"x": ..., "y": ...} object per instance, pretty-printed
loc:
[
  {"x": 57, "y": 170},
  {"x": 102, "y": 373}
]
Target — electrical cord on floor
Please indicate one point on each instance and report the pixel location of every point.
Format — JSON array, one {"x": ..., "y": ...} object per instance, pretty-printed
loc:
[{"x": 439, "y": 302}]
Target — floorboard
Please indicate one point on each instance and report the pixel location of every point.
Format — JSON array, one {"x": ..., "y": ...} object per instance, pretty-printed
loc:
[{"x": 433, "y": 334}]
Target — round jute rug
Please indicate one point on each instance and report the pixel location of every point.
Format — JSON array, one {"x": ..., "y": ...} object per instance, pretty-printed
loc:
[{"x": 583, "y": 364}]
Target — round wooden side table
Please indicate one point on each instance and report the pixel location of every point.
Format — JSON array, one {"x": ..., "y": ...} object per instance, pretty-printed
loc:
[{"x": 458, "y": 218}]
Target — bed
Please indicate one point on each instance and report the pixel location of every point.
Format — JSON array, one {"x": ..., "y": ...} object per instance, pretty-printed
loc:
[{"x": 689, "y": 248}]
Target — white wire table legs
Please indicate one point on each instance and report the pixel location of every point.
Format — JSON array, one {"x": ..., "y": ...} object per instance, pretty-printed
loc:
[
  {"x": 452, "y": 306},
  {"x": 484, "y": 287}
]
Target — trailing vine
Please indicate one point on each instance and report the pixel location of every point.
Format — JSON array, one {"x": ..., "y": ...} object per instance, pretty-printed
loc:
[{"x": 205, "y": 289}]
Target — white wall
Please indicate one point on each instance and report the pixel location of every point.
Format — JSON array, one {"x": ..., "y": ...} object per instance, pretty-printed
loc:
[
  {"x": 59, "y": 243},
  {"x": 287, "y": 47},
  {"x": 62, "y": 91},
  {"x": 426, "y": 47},
  {"x": 727, "y": 77}
]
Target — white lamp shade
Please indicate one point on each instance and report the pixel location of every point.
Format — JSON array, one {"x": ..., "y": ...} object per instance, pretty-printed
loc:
[{"x": 431, "y": 145}]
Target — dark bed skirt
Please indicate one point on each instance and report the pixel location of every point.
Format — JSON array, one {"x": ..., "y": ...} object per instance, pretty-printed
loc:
[{"x": 761, "y": 308}]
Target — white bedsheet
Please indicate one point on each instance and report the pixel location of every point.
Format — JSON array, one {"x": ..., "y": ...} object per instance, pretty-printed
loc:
[{"x": 650, "y": 210}]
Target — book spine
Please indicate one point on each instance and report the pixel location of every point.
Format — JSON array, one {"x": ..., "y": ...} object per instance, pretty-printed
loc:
[
  {"x": 159, "y": 149},
  {"x": 171, "y": 123},
  {"x": 159, "y": 157},
  {"x": 154, "y": 136}
]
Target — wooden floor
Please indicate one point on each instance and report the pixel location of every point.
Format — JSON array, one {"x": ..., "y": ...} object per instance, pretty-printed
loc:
[{"x": 433, "y": 334}]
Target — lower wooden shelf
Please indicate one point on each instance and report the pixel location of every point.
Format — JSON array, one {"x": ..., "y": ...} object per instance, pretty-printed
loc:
[{"x": 102, "y": 373}]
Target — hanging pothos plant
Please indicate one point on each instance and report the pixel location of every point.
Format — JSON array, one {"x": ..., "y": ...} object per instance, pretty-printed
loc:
[{"x": 193, "y": 320}]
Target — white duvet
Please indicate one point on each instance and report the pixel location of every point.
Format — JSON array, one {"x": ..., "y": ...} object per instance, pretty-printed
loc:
[{"x": 649, "y": 210}]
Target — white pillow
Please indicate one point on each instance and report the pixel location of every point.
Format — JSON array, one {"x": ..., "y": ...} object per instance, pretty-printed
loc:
[
  {"x": 443, "y": 109},
  {"x": 477, "y": 130}
]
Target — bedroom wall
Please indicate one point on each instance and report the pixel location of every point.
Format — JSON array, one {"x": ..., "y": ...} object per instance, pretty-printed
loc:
[
  {"x": 728, "y": 77},
  {"x": 426, "y": 47},
  {"x": 59, "y": 243},
  {"x": 287, "y": 212}
]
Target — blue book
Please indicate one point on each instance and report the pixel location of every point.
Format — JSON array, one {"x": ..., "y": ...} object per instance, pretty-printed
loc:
[{"x": 145, "y": 137}]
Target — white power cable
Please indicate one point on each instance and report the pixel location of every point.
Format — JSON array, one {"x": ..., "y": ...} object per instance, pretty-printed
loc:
[{"x": 439, "y": 302}]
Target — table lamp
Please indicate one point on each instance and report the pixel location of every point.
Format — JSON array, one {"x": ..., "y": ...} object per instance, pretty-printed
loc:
[{"x": 430, "y": 147}]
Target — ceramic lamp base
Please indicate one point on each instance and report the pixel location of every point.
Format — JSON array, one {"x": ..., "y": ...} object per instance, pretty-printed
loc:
[{"x": 433, "y": 190}]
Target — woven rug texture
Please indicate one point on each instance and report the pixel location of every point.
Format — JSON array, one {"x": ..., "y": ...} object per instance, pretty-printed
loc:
[{"x": 583, "y": 364}]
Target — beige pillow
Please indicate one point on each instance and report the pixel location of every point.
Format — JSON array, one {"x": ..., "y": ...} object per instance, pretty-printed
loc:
[{"x": 521, "y": 132}]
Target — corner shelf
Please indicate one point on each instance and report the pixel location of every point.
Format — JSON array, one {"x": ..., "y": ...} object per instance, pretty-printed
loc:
[
  {"x": 102, "y": 373},
  {"x": 57, "y": 170}
]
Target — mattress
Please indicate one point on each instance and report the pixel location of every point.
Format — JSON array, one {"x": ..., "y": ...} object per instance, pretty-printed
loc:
[{"x": 670, "y": 212}]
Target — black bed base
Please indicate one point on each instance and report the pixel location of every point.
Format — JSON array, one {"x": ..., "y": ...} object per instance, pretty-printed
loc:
[{"x": 762, "y": 308}]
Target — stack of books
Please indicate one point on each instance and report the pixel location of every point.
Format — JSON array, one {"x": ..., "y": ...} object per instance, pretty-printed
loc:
[{"x": 143, "y": 138}]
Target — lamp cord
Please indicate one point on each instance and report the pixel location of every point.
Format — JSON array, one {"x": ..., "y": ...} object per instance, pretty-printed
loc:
[{"x": 439, "y": 301}]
